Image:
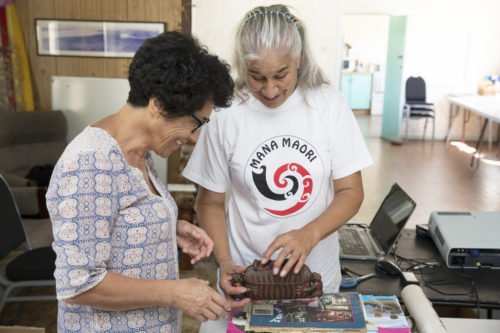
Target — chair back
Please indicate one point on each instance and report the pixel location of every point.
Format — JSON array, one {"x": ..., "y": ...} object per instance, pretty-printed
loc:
[
  {"x": 12, "y": 233},
  {"x": 415, "y": 89}
]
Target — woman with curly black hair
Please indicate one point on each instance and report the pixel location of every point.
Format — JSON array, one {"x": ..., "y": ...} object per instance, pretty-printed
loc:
[{"x": 114, "y": 223}]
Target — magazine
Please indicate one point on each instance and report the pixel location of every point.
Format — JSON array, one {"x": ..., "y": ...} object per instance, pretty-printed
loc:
[
  {"x": 384, "y": 314},
  {"x": 238, "y": 321},
  {"x": 339, "y": 312}
]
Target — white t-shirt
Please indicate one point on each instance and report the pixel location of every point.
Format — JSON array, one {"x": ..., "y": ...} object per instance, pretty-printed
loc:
[{"x": 279, "y": 164}]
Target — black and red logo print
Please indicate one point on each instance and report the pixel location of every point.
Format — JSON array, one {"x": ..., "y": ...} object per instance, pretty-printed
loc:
[{"x": 286, "y": 171}]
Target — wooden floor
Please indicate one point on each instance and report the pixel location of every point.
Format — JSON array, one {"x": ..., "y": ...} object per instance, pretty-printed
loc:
[{"x": 435, "y": 176}]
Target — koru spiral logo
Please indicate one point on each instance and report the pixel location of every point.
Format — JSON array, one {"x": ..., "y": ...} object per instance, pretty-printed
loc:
[{"x": 287, "y": 173}]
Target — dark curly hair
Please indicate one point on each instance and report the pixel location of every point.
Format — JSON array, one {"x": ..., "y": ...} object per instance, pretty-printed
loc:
[{"x": 180, "y": 73}]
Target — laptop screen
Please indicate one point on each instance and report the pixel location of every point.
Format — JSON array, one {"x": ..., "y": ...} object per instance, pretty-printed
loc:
[{"x": 392, "y": 217}]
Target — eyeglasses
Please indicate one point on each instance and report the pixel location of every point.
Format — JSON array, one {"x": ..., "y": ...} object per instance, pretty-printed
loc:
[{"x": 201, "y": 123}]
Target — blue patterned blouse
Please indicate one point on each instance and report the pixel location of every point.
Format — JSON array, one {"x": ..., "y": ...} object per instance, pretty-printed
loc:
[{"x": 105, "y": 218}]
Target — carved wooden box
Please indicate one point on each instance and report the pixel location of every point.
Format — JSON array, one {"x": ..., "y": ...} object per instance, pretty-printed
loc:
[{"x": 263, "y": 284}]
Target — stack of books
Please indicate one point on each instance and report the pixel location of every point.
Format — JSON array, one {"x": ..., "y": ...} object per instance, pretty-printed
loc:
[{"x": 339, "y": 312}]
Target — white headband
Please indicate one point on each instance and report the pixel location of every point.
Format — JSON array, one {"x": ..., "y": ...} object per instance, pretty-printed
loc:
[{"x": 279, "y": 12}]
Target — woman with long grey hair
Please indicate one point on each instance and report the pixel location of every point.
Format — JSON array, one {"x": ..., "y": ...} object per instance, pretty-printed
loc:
[{"x": 291, "y": 152}]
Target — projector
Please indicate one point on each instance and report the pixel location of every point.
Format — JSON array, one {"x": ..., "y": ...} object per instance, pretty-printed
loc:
[{"x": 467, "y": 239}]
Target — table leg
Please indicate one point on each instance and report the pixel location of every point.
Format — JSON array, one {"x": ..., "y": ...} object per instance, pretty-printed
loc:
[
  {"x": 479, "y": 143},
  {"x": 451, "y": 119},
  {"x": 490, "y": 130},
  {"x": 498, "y": 140},
  {"x": 407, "y": 116},
  {"x": 466, "y": 120}
]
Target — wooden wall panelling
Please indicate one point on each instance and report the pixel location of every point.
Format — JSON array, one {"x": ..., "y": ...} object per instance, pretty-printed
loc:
[
  {"x": 173, "y": 174},
  {"x": 178, "y": 159},
  {"x": 138, "y": 10},
  {"x": 92, "y": 10},
  {"x": 155, "y": 10},
  {"x": 95, "y": 67},
  {"x": 42, "y": 68},
  {"x": 66, "y": 9},
  {"x": 112, "y": 10},
  {"x": 69, "y": 10},
  {"x": 176, "y": 13},
  {"x": 186, "y": 15},
  {"x": 170, "y": 12},
  {"x": 115, "y": 10}
]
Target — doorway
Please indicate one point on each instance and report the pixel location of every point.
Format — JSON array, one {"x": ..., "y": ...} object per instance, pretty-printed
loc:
[
  {"x": 368, "y": 57},
  {"x": 362, "y": 81}
]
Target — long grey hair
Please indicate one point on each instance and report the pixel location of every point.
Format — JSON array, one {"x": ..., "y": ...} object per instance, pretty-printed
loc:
[{"x": 274, "y": 28}]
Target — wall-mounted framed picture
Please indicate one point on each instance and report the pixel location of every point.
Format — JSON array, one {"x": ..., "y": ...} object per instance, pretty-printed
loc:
[{"x": 80, "y": 38}]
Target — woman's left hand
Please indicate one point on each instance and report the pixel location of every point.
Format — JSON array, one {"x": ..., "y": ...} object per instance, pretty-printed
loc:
[
  {"x": 296, "y": 245},
  {"x": 193, "y": 241}
]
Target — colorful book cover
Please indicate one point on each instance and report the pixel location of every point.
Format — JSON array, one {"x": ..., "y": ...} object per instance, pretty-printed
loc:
[
  {"x": 239, "y": 319},
  {"x": 384, "y": 314},
  {"x": 339, "y": 312}
]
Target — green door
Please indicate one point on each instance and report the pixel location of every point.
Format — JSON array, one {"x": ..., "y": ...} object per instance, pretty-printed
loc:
[{"x": 393, "y": 96}]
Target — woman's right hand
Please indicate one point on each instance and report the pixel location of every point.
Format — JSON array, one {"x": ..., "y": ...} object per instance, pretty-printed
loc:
[
  {"x": 226, "y": 270},
  {"x": 197, "y": 299}
]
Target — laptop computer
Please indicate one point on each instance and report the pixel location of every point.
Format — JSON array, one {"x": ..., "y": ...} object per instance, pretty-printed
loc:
[{"x": 360, "y": 241}]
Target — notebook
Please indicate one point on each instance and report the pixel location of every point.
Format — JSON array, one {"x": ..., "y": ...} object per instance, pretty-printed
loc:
[{"x": 359, "y": 241}]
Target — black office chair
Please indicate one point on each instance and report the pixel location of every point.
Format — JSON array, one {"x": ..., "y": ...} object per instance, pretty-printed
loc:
[
  {"x": 32, "y": 268},
  {"x": 416, "y": 105}
]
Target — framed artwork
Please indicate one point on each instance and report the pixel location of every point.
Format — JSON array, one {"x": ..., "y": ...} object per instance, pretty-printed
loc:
[{"x": 93, "y": 38}]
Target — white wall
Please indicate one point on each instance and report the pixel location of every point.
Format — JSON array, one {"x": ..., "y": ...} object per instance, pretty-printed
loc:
[
  {"x": 368, "y": 36},
  {"x": 215, "y": 21},
  {"x": 86, "y": 100},
  {"x": 451, "y": 43}
]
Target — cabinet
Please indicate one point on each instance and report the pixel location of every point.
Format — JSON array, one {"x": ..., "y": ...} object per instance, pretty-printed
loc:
[{"x": 357, "y": 87}]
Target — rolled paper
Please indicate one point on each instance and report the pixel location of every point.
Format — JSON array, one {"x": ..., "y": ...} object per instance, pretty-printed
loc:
[{"x": 420, "y": 308}]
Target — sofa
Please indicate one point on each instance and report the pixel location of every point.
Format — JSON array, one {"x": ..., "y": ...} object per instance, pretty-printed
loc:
[{"x": 30, "y": 142}]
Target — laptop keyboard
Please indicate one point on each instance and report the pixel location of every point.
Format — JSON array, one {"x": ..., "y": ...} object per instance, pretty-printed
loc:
[{"x": 351, "y": 243}]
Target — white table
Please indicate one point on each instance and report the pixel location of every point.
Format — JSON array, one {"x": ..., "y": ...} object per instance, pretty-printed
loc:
[
  {"x": 484, "y": 106},
  {"x": 466, "y": 325},
  {"x": 211, "y": 326},
  {"x": 453, "y": 325}
]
